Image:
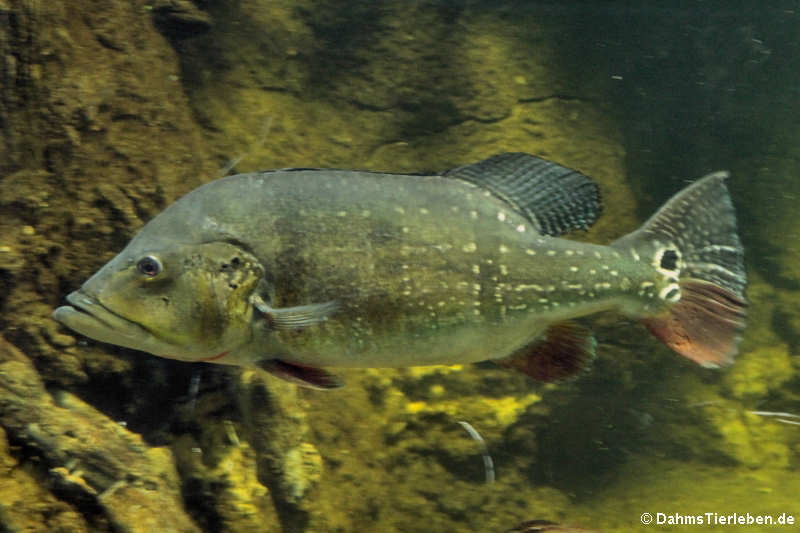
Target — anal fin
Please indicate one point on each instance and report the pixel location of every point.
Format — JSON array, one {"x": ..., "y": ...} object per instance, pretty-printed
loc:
[
  {"x": 564, "y": 351},
  {"x": 303, "y": 375}
]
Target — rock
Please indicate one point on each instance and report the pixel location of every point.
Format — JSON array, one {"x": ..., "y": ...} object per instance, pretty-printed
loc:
[
  {"x": 180, "y": 18},
  {"x": 92, "y": 459}
]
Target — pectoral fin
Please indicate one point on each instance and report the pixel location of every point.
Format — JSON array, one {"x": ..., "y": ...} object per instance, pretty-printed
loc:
[
  {"x": 298, "y": 317},
  {"x": 303, "y": 375},
  {"x": 565, "y": 350}
]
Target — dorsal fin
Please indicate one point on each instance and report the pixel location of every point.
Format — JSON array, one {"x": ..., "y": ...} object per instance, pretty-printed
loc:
[{"x": 553, "y": 198}]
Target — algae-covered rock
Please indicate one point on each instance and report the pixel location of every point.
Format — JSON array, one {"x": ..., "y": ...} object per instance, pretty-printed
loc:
[
  {"x": 760, "y": 373},
  {"x": 221, "y": 485},
  {"x": 25, "y": 505},
  {"x": 92, "y": 460},
  {"x": 276, "y": 427}
]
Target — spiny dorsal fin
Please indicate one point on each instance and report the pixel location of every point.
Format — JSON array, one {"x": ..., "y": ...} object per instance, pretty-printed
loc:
[{"x": 553, "y": 198}]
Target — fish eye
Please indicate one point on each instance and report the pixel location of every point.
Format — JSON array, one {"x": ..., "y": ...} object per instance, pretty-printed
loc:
[{"x": 149, "y": 266}]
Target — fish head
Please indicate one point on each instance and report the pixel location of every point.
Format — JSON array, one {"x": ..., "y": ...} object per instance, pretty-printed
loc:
[{"x": 189, "y": 302}]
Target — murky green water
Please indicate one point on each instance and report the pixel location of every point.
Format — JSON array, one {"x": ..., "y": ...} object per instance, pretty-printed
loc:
[{"x": 110, "y": 111}]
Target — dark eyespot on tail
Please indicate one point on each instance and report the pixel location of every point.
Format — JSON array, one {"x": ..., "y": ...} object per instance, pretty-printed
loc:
[
  {"x": 669, "y": 260},
  {"x": 566, "y": 349},
  {"x": 555, "y": 199}
]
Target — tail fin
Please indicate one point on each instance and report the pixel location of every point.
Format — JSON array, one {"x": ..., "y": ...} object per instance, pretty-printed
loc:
[{"x": 693, "y": 245}]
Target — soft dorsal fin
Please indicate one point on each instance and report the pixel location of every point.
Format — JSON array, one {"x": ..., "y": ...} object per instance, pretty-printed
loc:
[{"x": 553, "y": 198}]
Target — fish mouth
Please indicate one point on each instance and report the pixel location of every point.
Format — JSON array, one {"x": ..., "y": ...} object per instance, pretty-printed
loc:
[{"x": 89, "y": 317}]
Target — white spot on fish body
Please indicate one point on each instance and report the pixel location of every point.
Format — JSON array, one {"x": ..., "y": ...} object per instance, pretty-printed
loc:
[
  {"x": 473, "y": 215},
  {"x": 405, "y": 229},
  {"x": 635, "y": 255},
  {"x": 575, "y": 286},
  {"x": 423, "y": 211},
  {"x": 530, "y": 251},
  {"x": 400, "y": 210},
  {"x": 476, "y": 269},
  {"x": 569, "y": 252},
  {"x": 521, "y": 228},
  {"x": 520, "y": 307},
  {"x": 614, "y": 273},
  {"x": 503, "y": 249},
  {"x": 454, "y": 208},
  {"x": 592, "y": 271},
  {"x": 602, "y": 285},
  {"x": 551, "y": 253},
  {"x": 504, "y": 270},
  {"x": 573, "y": 269},
  {"x": 470, "y": 247},
  {"x": 342, "y": 213},
  {"x": 597, "y": 255},
  {"x": 520, "y": 288},
  {"x": 501, "y": 216}
]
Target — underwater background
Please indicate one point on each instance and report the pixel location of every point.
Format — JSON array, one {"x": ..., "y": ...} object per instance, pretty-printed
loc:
[{"x": 111, "y": 109}]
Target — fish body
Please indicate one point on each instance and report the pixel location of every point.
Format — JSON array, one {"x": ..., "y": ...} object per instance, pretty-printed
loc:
[{"x": 299, "y": 269}]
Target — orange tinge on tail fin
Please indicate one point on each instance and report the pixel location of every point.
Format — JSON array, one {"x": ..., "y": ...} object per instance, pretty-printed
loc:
[
  {"x": 693, "y": 244},
  {"x": 704, "y": 325}
]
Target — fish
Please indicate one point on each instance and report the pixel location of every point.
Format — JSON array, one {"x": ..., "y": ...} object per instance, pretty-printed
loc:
[
  {"x": 544, "y": 526},
  {"x": 299, "y": 270}
]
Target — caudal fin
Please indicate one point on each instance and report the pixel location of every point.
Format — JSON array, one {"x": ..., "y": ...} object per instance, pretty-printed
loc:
[{"x": 693, "y": 245}]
